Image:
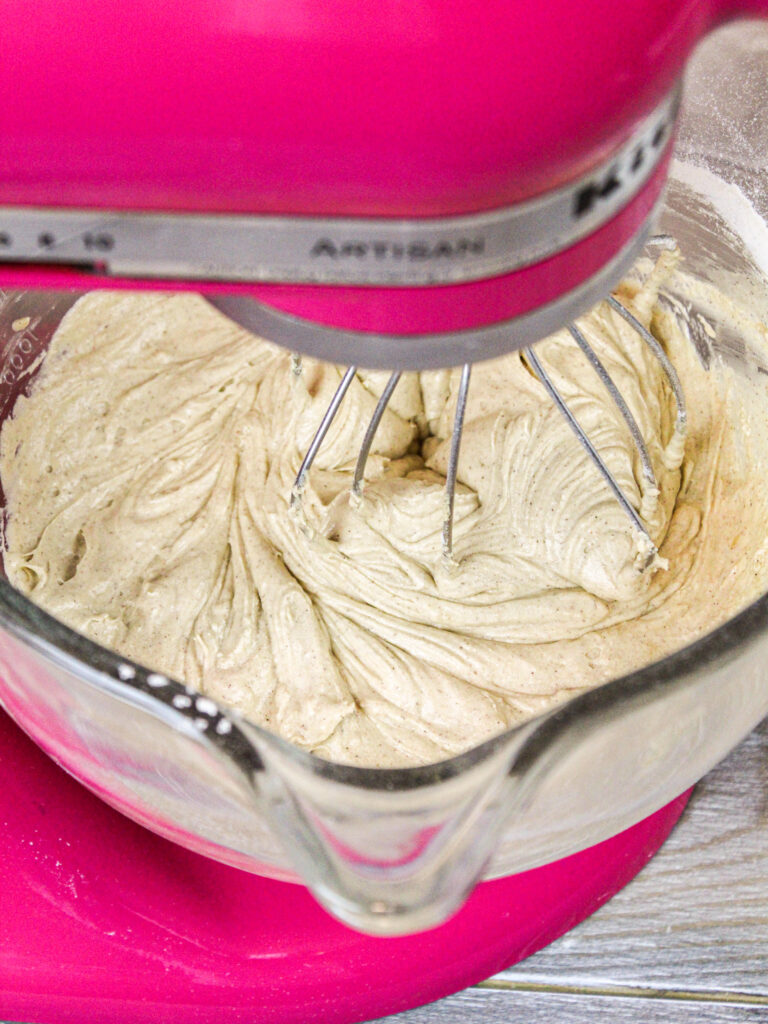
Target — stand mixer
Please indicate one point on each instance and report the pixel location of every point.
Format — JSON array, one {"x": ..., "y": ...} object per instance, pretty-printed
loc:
[{"x": 388, "y": 187}]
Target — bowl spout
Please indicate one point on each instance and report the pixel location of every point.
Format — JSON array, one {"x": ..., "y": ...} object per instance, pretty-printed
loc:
[{"x": 388, "y": 859}]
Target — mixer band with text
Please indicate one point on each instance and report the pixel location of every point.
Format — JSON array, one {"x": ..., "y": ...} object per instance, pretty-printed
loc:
[{"x": 340, "y": 250}]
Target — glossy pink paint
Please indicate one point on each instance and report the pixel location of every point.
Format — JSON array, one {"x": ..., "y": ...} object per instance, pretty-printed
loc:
[
  {"x": 417, "y": 310},
  {"x": 389, "y": 108},
  {"x": 339, "y": 107}
]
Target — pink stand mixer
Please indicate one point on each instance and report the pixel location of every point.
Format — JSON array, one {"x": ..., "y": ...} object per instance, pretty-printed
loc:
[{"x": 381, "y": 186}]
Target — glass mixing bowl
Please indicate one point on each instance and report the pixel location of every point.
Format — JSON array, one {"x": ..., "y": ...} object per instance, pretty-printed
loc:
[{"x": 392, "y": 851}]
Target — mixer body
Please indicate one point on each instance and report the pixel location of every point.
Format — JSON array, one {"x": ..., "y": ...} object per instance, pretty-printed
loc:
[{"x": 333, "y": 109}]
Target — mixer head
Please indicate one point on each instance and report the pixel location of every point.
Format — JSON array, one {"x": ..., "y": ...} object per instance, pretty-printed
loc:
[
  {"x": 375, "y": 188},
  {"x": 370, "y": 189},
  {"x": 404, "y": 293},
  {"x": 442, "y": 291}
]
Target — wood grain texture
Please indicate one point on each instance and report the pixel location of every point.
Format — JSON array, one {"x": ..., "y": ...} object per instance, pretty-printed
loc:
[
  {"x": 696, "y": 919},
  {"x": 487, "y": 1006},
  {"x": 686, "y": 941}
]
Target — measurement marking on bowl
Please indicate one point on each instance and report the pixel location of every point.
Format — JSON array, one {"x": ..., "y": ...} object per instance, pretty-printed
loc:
[{"x": 206, "y": 706}]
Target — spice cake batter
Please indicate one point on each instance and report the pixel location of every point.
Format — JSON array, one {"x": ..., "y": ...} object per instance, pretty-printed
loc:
[{"x": 148, "y": 477}]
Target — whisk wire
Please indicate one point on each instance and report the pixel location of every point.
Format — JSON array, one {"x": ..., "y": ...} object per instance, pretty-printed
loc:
[
  {"x": 458, "y": 426},
  {"x": 322, "y": 430},
  {"x": 453, "y": 462},
  {"x": 593, "y": 453},
  {"x": 370, "y": 433},
  {"x": 618, "y": 398},
  {"x": 664, "y": 360}
]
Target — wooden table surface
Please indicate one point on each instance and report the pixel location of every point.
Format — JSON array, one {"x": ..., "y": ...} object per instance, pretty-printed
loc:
[{"x": 685, "y": 942}]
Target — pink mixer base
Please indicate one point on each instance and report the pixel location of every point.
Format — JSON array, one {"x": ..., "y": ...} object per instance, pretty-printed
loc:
[{"x": 103, "y": 921}]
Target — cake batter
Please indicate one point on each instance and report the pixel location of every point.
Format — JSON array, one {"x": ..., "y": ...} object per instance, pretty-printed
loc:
[{"x": 148, "y": 477}]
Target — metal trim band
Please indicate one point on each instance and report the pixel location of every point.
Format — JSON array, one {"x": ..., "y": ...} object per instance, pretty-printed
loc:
[
  {"x": 340, "y": 250},
  {"x": 431, "y": 351}
]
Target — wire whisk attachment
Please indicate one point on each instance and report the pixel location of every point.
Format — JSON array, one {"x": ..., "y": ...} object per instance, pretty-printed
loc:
[{"x": 674, "y": 448}]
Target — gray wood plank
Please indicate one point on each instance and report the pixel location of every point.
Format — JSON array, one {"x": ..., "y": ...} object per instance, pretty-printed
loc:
[
  {"x": 489, "y": 1006},
  {"x": 696, "y": 918}
]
